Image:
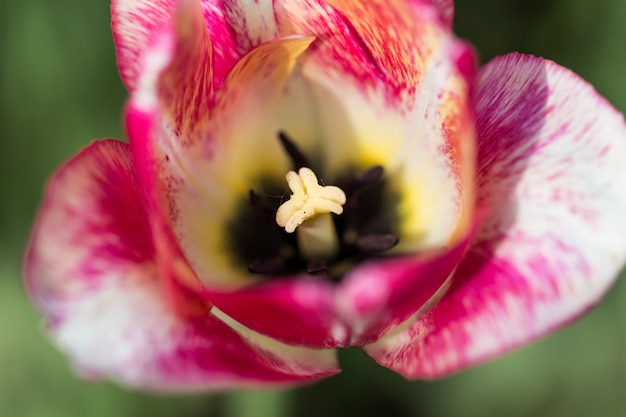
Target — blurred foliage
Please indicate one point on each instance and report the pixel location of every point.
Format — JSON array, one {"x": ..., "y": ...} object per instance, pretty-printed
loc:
[{"x": 59, "y": 89}]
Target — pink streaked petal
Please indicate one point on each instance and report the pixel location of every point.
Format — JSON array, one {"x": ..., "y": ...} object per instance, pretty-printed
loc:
[
  {"x": 185, "y": 86},
  {"x": 92, "y": 222},
  {"x": 378, "y": 296},
  {"x": 91, "y": 269},
  {"x": 435, "y": 162},
  {"x": 179, "y": 282},
  {"x": 297, "y": 311},
  {"x": 398, "y": 39},
  {"x": 336, "y": 44},
  {"x": 252, "y": 22},
  {"x": 129, "y": 333},
  {"x": 289, "y": 310},
  {"x": 205, "y": 177},
  {"x": 550, "y": 167},
  {"x": 444, "y": 8},
  {"x": 374, "y": 90},
  {"x": 136, "y": 23},
  {"x": 354, "y": 40},
  {"x": 373, "y": 299}
]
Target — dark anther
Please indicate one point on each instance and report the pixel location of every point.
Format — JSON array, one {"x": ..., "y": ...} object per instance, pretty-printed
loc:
[
  {"x": 297, "y": 157},
  {"x": 363, "y": 180},
  {"x": 268, "y": 266},
  {"x": 376, "y": 242},
  {"x": 317, "y": 267},
  {"x": 257, "y": 202}
]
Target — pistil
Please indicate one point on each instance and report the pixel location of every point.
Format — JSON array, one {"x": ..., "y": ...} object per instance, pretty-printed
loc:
[{"x": 308, "y": 213}]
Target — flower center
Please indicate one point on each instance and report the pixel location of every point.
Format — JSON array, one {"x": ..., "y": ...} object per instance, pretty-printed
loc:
[{"x": 320, "y": 230}]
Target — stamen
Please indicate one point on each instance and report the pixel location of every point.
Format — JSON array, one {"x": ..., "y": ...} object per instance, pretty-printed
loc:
[
  {"x": 297, "y": 157},
  {"x": 273, "y": 266},
  {"x": 376, "y": 242},
  {"x": 317, "y": 267},
  {"x": 364, "y": 180}
]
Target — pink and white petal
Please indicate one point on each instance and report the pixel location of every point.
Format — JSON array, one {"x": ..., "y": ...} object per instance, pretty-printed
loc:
[
  {"x": 136, "y": 23},
  {"x": 129, "y": 333},
  {"x": 207, "y": 177},
  {"x": 351, "y": 92},
  {"x": 371, "y": 300},
  {"x": 252, "y": 22},
  {"x": 200, "y": 192},
  {"x": 444, "y": 8},
  {"x": 184, "y": 86},
  {"x": 180, "y": 283},
  {"x": 436, "y": 160},
  {"x": 91, "y": 222},
  {"x": 90, "y": 268},
  {"x": 550, "y": 167},
  {"x": 373, "y": 87},
  {"x": 370, "y": 82},
  {"x": 297, "y": 311},
  {"x": 378, "y": 296},
  {"x": 397, "y": 39},
  {"x": 347, "y": 88},
  {"x": 354, "y": 39}
]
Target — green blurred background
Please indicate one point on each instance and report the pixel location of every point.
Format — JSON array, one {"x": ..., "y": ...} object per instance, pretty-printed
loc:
[{"x": 59, "y": 89}]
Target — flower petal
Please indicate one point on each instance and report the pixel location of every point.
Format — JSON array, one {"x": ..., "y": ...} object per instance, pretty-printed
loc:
[
  {"x": 92, "y": 222},
  {"x": 378, "y": 296},
  {"x": 209, "y": 177},
  {"x": 297, "y": 311},
  {"x": 186, "y": 85},
  {"x": 205, "y": 175},
  {"x": 349, "y": 321},
  {"x": 252, "y": 22},
  {"x": 374, "y": 87},
  {"x": 435, "y": 161},
  {"x": 90, "y": 268},
  {"x": 550, "y": 167},
  {"x": 136, "y": 23},
  {"x": 355, "y": 40},
  {"x": 398, "y": 55},
  {"x": 445, "y": 9},
  {"x": 297, "y": 305},
  {"x": 129, "y": 333},
  {"x": 201, "y": 191}
]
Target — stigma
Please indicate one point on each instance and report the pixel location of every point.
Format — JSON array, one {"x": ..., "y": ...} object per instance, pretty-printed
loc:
[
  {"x": 309, "y": 200},
  {"x": 308, "y": 210}
]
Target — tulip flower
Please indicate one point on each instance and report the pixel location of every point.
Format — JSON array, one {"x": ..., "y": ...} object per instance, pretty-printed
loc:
[{"x": 305, "y": 175}]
